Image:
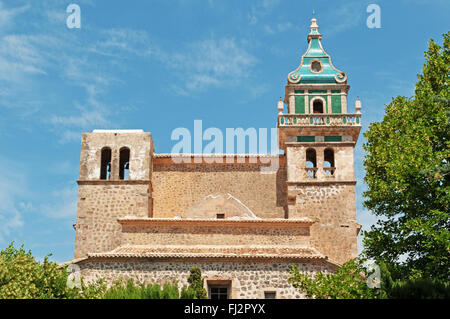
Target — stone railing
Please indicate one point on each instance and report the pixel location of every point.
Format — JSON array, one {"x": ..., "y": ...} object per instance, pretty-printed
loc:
[
  {"x": 319, "y": 119},
  {"x": 311, "y": 172},
  {"x": 329, "y": 171}
]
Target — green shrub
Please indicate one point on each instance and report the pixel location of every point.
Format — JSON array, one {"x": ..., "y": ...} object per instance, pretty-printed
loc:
[
  {"x": 195, "y": 281},
  {"x": 130, "y": 290},
  {"x": 349, "y": 282},
  {"x": 421, "y": 288},
  {"x": 188, "y": 293},
  {"x": 170, "y": 291}
]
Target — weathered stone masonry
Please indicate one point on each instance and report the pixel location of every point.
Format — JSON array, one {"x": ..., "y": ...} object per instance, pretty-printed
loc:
[{"x": 152, "y": 216}]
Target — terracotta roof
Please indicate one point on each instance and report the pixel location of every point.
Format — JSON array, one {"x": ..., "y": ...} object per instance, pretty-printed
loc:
[
  {"x": 303, "y": 220},
  {"x": 209, "y": 251}
]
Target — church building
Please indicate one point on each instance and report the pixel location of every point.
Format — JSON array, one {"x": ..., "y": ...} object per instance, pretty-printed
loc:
[{"x": 152, "y": 217}]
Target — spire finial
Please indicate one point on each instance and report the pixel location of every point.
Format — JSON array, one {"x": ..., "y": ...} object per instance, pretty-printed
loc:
[
  {"x": 280, "y": 106},
  {"x": 314, "y": 27}
]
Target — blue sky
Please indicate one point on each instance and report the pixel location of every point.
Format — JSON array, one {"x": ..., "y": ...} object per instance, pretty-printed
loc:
[{"x": 159, "y": 65}]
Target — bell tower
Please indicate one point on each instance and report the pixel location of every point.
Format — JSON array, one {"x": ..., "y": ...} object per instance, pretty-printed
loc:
[
  {"x": 114, "y": 182},
  {"x": 318, "y": 136}
]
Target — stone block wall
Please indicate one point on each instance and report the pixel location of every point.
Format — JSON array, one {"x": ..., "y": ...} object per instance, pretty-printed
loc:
[
  {"x": 249, "y": 278},
  {"x": 333, "y": 206},
  {"x": 100, "y": 203},
  {"x": 216, "y": 234},
  {"x": 178, "y": 187}
]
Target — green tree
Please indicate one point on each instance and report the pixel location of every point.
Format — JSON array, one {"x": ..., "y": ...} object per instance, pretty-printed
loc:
[
  {"x": 348, "y": 282},
  {"x": 407, "y": 174},
  {"x": 195, "y": 281},
  {"x": 23, "y": 277}
]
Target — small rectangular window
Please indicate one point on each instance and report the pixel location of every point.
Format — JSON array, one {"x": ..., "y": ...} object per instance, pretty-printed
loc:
[
  {"x": 333, "y": 138},
  {"x": 220, "y": 216},
  {"x": 218, "y": 292},
  {"x": 306, "y": 138},
  {"x": 270, "y": 295}
]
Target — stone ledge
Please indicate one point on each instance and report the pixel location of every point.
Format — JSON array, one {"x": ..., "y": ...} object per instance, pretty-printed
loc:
[
  {"x": 217, "y": 222},
  {"x": 322, "y": 182},
  {"x": 319, "y": 144},
  {"x": 165, "y": 155},
  {"x": 204, "y": 252},
  {"x": 113, "y": 182},
  {"x": 235, "y": 251}
]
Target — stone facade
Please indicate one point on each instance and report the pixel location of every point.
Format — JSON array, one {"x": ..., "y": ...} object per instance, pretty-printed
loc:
[
  {"x": 248, "y": 279},
  {"x": 152, "y": 217},
  {"x": 263, "y": 194}
]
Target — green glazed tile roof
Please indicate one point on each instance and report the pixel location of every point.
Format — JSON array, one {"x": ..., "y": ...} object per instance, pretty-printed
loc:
[{"x": 327, "y": 74}]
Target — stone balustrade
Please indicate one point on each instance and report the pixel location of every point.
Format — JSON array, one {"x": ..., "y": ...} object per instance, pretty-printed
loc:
[
  {"x": 311, "y": 172},
  {"x": 319, "y": 120},
  {"x": 329, "y": 171}
]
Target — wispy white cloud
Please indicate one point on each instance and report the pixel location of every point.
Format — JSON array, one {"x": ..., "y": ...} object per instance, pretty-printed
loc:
[
  {"x": 116, "y": 41},
  {"x": 261, "y": 9},
  {"x": 20, "y": 56},
  {"x": 63, "y": 203},
  {"x": 84, "y": 120},
  {"x": 279, "y": 27},
  {"x": 211, "y": 62},
  {"x": 8, "y": 15},
  {"x": 344, "y": 16},
  {"x": 48, "y": 51},
  {"x": 13, "y": 189}
]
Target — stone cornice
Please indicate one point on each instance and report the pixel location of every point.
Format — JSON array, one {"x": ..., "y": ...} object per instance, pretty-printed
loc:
[
  {"x": 113, "y": 182},
  {"x": 216, "y": 222},
  {"x": 319, "y": 144},
  {"x": 208, "y": 252},
  {"x": 217, "y": 159},
  {"x": 322, "y": 182}
]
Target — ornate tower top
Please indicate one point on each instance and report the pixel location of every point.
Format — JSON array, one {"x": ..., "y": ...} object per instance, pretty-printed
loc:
[
  {"x": 316, "y": 65},
  {"x": 316, "y": 98}
]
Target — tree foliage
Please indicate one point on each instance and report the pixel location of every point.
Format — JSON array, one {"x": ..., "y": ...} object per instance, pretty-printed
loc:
[
  {"x": 411, "y": 288},
  {"x": 195, "y": 281},
  {"x": 23, "y": 277},
  {"x": 407, "y": 174},
  {"x": 348, "y": 282},
  {"x": 351, "y": 282}
]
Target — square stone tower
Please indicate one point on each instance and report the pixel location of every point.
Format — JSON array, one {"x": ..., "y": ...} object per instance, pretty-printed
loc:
[
  {"x": 106, "y": 191},
  {"x": 318, "y": 136}
]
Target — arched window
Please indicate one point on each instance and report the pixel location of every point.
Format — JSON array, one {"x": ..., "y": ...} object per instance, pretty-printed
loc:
[
  {"x": 124, "y": 163},
  {"x": 311, "y": 163},
  {"x": 318, "y": 106},
  {"x": 328, "y": 156},
  {"x": 311, "y": 158},
  {"x": 105, "y": 164},
  {"x": 328, "y": 164}
]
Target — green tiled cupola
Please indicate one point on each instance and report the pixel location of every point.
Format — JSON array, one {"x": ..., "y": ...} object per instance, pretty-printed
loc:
[
  {"x": 316, "y": 65},
  {"x": 316, "y": 94}
]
